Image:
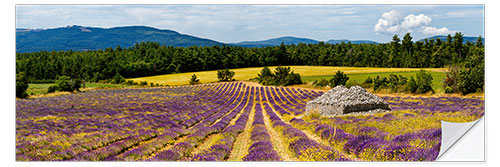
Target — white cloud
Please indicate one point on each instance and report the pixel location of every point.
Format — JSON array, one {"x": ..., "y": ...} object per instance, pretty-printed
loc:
[
  {"x": 436, "y": 31},
  {"x": 388, "y": 23},
  {"x": 411, "y": 22},
  {"x": 392, "y": 22}
]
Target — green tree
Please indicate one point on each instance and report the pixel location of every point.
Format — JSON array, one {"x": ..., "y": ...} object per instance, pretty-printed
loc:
[
  {"x": 266, "y": 76},
  {"x": 424, "y": 82},
  {"x": 458, "y": 40},
  {"x": 280, "y": 74},
  {"x": 65, "y": 83},
  {"x": 407, "y": 43},
  {"x": 150, "y": 58},
  {"x": 393, "y": 59},
  {"x": 339, "y": 79},
  {"x": 21, "y": 85},
  {"x": 194, "y": 80},
  {"x": 118, "y": 79},
  {"x": 479, "y": 42},
  {"x": 225, "y": 75},
  {"x": 292, "y": 79},
  {"x": 265, "y": 72},
  {"x": 471, "y": 76}
]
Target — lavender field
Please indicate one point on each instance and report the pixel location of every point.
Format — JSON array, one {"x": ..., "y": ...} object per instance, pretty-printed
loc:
[{"x": 228, "y": 122}]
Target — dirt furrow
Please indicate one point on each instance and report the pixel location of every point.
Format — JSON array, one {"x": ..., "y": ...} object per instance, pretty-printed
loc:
[{"x": 240, "y": 147}]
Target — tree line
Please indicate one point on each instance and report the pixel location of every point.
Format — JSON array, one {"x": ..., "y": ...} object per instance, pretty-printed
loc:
[{"x": 150, "y": 58}]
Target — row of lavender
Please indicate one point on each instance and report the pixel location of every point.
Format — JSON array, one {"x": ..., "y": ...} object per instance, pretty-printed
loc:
[
  {"x": 182, "y": 150},
  {"x": 222, "y": 148},
  {"x": 145, "y": 150},
  {"x": 169, "y": 123},
  {"x": 98, "y": 125},
  {"x": 261, "y": 148},
  {"x": 374, "y": 138},
  {"x": 305, "y": 149},
  {"x": 410, "y": 133},
  {"x": 110, "y": 152}
]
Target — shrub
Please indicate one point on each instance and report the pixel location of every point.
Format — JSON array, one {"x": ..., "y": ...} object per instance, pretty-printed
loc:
[
  {"x": 144, "y": 83},
  {"x": 392, "y": 82},
  {"x": 450, "y": 83},
  {"x": 351, "y": 83},
  {"x": 281, "y": 76},
  {"x": 265, "y": 72},
  {"x": 62, "y": 84},
  {"x": 412, "y": 85},
  {"x": 379, "y": 83},
  {"x": 75, "y": 84},
  {"x": 368, "y": 81},
  {"x": 466, "y": 82},
  {"x": 52, "y": 89},
  {"x": 118, "y": 79},
  {"x": 292, "y": 79},
  {"x": 321, "y": 83},
  {"x": 225, "y": 75},
  {"x": 424, "y": 82},
  {"x": 21, "y": 85},
  {"x": 194, "y": 80},
  {"x": 402, "y": 80},
  {"x": 395, "y": 82},
  {"x": 130, "y": 82},
  {"x": 448, "y": 89},
  {"x": 65, "y": 83},
  {"x": 338, "y": 79}
]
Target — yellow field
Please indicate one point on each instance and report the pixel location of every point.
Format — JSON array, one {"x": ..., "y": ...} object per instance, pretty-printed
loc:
[{"x": 242, "y": 74}]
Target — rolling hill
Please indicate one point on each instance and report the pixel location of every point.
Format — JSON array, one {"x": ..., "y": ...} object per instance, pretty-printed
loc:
[
  {"x": 352, "y": 41},
  {"x": 444, "y": 38},
  {"x": 78, "y": 38},
  {"x": 287, "y": 40}
]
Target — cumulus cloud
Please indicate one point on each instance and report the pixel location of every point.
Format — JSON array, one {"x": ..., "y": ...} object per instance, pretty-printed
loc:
[
  {"x": 436, "y": 31},
  {"x": 392, "y": 22}
]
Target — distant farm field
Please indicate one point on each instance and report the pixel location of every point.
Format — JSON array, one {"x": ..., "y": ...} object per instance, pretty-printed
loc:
[
  {"x": 242, "y": 74},
  {"x": 437, "y": 82},
  {"x": 34, "y": 88}
]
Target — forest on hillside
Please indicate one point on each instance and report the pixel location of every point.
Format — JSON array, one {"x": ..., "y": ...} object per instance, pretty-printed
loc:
[{"x": 150, "y": 58}]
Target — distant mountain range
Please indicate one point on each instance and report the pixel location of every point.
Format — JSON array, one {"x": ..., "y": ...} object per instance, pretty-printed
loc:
[
  {"x": 352, "y": 41},
  {"x": 444, "y": 38},
  {"x": 288, "y": 40},
  {"x": 78, "y": 38}
]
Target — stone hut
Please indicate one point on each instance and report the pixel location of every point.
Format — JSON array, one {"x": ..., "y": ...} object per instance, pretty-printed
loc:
[{"x": 341, "y": 100}]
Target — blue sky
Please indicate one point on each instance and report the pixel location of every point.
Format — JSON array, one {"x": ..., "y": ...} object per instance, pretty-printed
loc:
[{"x": 235, "y": 23}]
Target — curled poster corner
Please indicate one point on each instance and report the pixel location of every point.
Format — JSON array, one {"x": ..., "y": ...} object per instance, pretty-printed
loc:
[{"x": 462, "y": 141}]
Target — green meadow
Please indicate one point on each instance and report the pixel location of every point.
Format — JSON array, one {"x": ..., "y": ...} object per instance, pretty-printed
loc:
[
  {"x": 309, "y": 73},
  {"x": 437, "y": 76}
]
